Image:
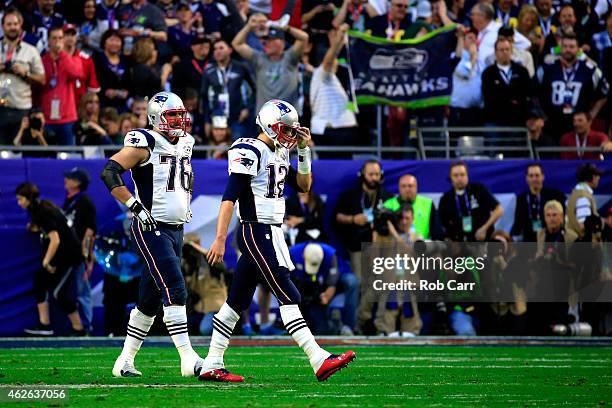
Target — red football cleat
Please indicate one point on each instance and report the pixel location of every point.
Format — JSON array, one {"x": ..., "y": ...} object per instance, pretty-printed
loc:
[
  {"x": 220, "y": 375},
  {"x": 334, "y": 363}
]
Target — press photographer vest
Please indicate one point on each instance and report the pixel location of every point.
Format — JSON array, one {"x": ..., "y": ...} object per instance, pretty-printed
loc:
[{"x": 572, "y": 221}]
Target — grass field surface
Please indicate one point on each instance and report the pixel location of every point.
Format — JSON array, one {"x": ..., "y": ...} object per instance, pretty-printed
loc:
[{"x": 381, "y": 376}]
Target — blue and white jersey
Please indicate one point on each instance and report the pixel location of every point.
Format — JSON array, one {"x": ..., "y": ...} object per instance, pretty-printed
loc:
[
  {"x": 162, "y": 182},
  {"x": 269, "y": 169}
]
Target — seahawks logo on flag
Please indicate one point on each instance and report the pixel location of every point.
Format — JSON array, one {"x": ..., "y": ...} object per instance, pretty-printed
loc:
[{"x": 245, "y": 161}]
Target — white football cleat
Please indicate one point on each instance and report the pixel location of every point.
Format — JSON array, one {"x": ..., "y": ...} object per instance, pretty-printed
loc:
[{"x": 124, "y": 367}]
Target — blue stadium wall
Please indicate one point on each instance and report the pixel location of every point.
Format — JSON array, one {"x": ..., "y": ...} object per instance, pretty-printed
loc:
[{"x": 21, "y": 253}]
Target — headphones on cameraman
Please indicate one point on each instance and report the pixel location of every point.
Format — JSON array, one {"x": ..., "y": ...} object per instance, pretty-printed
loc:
[{"x": 361, "y": 175}]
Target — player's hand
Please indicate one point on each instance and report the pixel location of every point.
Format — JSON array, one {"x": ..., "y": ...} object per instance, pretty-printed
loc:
[
  {"x": 360, "y": 219},
  {"x": 48, "y": 267},
  {"x": 303, "y": 134},
  {"x": 147, "y": 222},
  {"x": 216, "y": 252}
]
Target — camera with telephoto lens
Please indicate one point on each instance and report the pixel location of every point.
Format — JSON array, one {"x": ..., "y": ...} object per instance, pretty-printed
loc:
[
  {"x": 8, "y": 65},
  {"x": 380, "y": 221}
]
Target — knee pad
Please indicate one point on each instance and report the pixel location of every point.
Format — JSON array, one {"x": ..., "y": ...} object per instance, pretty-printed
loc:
[{"x": 150, "y": 306}]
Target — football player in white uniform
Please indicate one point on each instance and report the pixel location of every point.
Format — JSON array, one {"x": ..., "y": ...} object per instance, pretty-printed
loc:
[
  {"x": 259, "y": 169},
  {"x": 160, "y": 162}
]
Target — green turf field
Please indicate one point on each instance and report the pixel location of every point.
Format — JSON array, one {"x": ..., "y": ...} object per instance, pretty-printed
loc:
[{"x": 280, "y": 376}]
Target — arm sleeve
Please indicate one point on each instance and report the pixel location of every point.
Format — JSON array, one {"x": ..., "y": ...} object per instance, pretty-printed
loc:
[
  {"x": 236, "y": 184},
  {"x": 89, "y": 214},
  {"x": 292, "y": 180}
]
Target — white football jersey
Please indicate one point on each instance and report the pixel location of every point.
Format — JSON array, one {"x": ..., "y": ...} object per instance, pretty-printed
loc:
[
  {"x": 162, "y": 182},
  {"x": 269, "y": 169}
]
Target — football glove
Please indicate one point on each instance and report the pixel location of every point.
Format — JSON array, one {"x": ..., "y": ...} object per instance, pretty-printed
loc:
[{"x": 147, "y": 222}]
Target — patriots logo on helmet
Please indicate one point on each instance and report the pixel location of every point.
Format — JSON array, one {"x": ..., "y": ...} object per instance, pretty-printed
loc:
[
  {"x": 245, "y": 161},
  {"x": 283, "y": 108},
  {"x": 160, "y": 99}
]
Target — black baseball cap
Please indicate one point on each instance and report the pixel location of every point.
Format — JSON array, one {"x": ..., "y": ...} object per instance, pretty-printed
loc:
[
  {"x": 536, "y": 113},
  {"x": 80, "y": 175},
  {"x": 199, "y": 39}
]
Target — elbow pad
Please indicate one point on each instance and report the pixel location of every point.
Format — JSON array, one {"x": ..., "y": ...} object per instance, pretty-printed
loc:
[{"x": 111, "y": 175}]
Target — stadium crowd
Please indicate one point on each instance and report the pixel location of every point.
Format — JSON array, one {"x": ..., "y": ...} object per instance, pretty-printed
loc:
[{"x": 76, "y": 72}]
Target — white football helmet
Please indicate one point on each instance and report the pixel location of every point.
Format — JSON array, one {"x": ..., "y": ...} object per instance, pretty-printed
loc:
[
  {"x": 279, "y": 120},
  {"x": 167, "y": 113}
]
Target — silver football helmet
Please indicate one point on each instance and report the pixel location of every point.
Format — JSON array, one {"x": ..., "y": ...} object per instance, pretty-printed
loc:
[
  {"x": 279, "y": 120},
  {"x": 167, "y": 113}
]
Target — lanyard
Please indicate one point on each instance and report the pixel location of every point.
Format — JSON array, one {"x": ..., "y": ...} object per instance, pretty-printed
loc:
[
  {"x": 223, "y": 76},
  {"x": 197, "y": 67},
  {"x": 580, "y": 147},
  {"x": 545, "y": 26},
  {"x": 529, "y": 206},
  {"x": 392, "y": 28},
  {"x": 9, "y": 53},
  {"x": 504, "y": 17},
  {"x": 569, "y": 74},
  {"x": 356, "y": 13},
  {"x": 71, "y": 202},
  {"x": 467, "y": 204},
  {"x": 506, "y": 76}
]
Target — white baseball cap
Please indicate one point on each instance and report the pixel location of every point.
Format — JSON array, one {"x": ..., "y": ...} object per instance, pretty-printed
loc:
[{"x": 313, "y": 257}]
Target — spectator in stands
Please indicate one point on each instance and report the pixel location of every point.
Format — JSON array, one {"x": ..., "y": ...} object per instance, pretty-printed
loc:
[
  {"x": 181, "y": 36},
  {"x": 139, "y": 108},
  {"x": 466, "y": 96},
  {"x": 170, "y": 11},
  {"x": 146, "y": 77},
  {"x": 112, "y": 125},
  {"x": 220, "y": 136},
  {"x": 127, "y": 122},
  {"x": 527, "y": 20},
  {"x": 318, "y": 16},
  {"x": 80, "y": 213},
  {"x": 214, "y": 14},
  {"x": 569, "y": 85},
  {"x": 88, "y": 81},
  {"x": 87, "y": 129},
  {"x": 275, "y": 69},
  {"x": 506, "y": 87},
  {"x": 88, "y": 27},
  {"x": 581, "y": 203},
  {"x": 393, "y": 24},
  {"x": 601, "y": 42},
  {"x": 196, "y": 125},
  {"x": 426, "y": 222},
  {"x": 506, "y": 13},
  {"x": 468, "y": 211},
  {"x": 321, "y": 275},
  {"x": 529, "y": 210},
  {"x": 583, "y": 136},
  {"x": 424, "y": 19},
  {"x": 141, "y": 19},
  {"x": 107, "y": 18},
  {"x": 62, "y": 259},
  {"x": 112, "y": 71},
  {"x": 20, "y": 68},
  {"x": 304, "y": 218},
  {"x": 545, "y": 20},
  {"x": 537, "y": 134},
  {"x": 355, "y": 13},
  {"x": 520, "y": 56},
  {"x": 331, "y": 123},
  {"x": 32, "y": 133},
  {"x": 223, "y": 89},
  {"x": 354, "y": 211},
  {"x": 44, "y": 19},
  {"x": 58, "y": 99},
  {"x": 187, "y": 73}
]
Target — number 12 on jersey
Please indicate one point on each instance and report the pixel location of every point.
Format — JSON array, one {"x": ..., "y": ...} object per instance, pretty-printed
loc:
[{"x": 276, "y": 180}]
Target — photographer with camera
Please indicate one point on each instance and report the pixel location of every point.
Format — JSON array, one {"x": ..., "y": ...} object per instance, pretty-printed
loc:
[
  {"x": 20, "y": 68},
  {"x": 32, "y": 133},
  {"x": 581, "y": 203},
  {"x": 321, "y": 275},
  {"x": 354, "y": 211}
]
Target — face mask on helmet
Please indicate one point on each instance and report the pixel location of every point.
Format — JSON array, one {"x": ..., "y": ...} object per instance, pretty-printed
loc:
[
  {"x": 286, "y": 135},
  {"x": 174, "y": 122}
]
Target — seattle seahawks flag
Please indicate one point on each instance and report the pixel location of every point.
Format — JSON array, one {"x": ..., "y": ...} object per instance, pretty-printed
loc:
[{"x": 413, "y": 73}]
